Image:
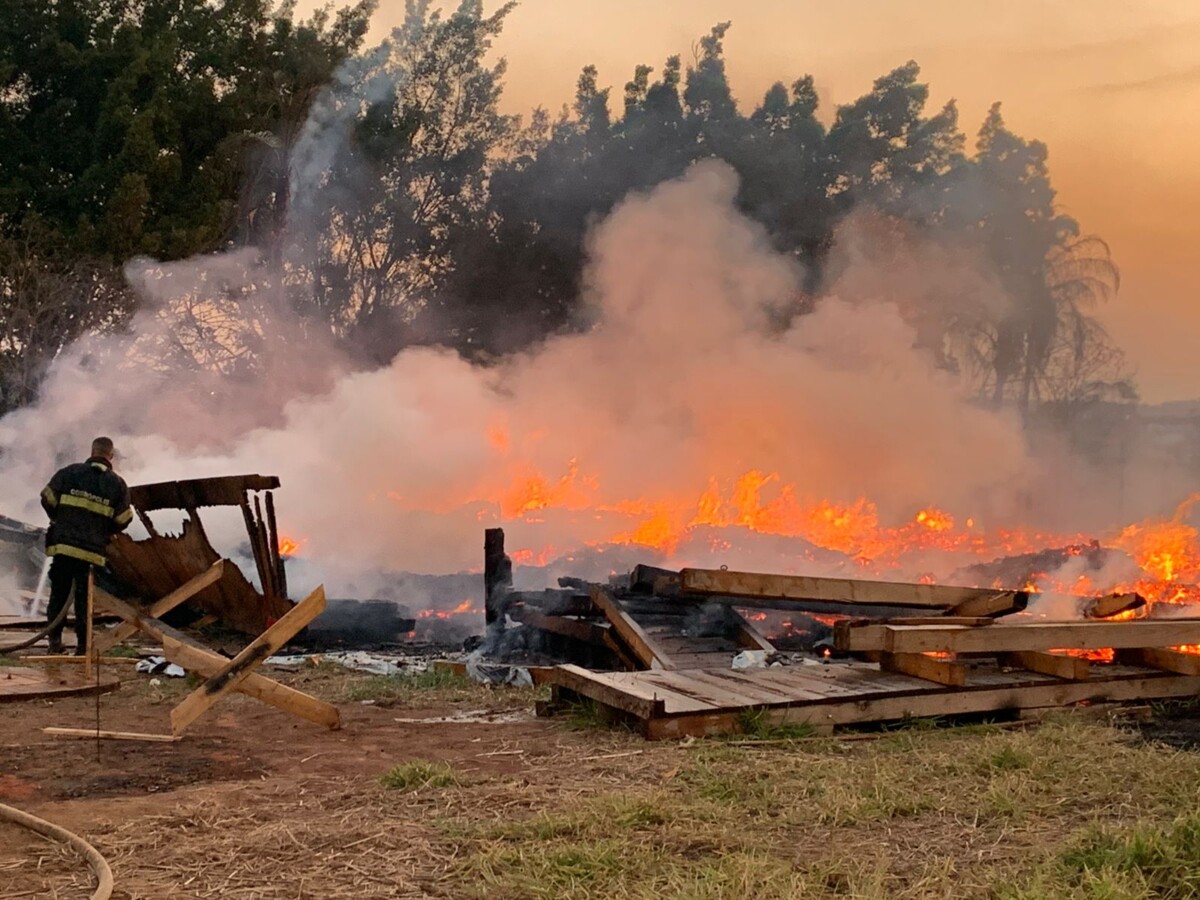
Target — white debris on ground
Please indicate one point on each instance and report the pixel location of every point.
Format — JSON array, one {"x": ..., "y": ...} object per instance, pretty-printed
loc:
[
  {"x": 355, "y": 660},
  {"x": 158, "y": 665}
]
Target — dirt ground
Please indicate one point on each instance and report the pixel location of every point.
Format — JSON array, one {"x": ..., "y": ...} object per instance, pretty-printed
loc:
[{"x": 438, "y": 788}]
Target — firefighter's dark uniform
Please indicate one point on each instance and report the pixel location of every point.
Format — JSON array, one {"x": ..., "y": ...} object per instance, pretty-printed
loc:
[{"x": 87, "y": 503}]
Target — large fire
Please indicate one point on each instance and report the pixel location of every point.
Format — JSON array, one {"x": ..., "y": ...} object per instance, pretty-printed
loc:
[{"x": 1167, "y": 551}]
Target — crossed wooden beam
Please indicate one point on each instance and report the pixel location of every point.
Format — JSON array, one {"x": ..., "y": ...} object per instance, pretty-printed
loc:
[{"x": 222, "y": 675}]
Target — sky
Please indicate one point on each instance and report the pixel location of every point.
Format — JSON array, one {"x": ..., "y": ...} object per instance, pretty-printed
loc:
[{"x": 1112, "y": 86}]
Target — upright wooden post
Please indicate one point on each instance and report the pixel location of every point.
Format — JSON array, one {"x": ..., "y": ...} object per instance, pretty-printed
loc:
[{"x": 497, "y": 575}]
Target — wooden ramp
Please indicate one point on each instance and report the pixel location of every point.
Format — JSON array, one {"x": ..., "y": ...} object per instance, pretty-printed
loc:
[
  {"x": 672, "y": 704},
  {"x": 18, "y": 683}
]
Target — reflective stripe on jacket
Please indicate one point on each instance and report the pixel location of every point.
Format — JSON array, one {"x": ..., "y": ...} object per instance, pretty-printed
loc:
[{"x": 87, "y": 504}]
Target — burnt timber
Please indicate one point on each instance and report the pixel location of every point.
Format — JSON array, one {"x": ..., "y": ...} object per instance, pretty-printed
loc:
[{"x": 159, "y": 564}]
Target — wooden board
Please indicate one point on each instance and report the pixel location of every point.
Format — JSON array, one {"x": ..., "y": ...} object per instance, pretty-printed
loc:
[
  {"x": 108, "y": 639},
  {"x": 939, "y": 671},
  {"x": 198, "y": 492},
  {"x": 1072, "y": 668},
  {"x": 994, "y": 605},
  {"x": 643, "y": 646},
  {"x": 18, "y": 683},
  {"x": 839, "y": 590},
  {"x": 113, "y": 735},
  {"x": 241, "y": 666},
  {"x": 1158, "y": 658},
  {"x": 1011, "y": 638},
  {"x": 944, "y": 702},
  {"x": 1103, "y": 607}
]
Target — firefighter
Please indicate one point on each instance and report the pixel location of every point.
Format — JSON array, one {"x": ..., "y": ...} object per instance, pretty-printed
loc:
[{"x": 87, "y": 504}]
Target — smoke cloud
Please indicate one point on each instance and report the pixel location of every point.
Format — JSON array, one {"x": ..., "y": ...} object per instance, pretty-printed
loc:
[{"x": 687, "y": 379}]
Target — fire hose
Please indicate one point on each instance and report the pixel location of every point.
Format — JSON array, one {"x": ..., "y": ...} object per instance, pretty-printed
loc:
[
  {"x": 29, "y": 642},
  {"x": 98, "y": 863}
]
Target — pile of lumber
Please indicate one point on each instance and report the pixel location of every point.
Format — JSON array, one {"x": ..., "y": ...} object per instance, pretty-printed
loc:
[{"x": 655, "y": 618}]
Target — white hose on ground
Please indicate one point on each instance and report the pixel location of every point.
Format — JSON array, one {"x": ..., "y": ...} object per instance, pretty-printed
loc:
[{"x": 98, "y": 863}]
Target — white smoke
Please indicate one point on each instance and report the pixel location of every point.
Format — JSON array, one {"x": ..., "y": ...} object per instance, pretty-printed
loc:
[{"x": 686, "y": 377}]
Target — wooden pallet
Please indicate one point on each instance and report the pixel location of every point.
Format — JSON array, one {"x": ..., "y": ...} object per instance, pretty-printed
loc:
[{"x": 672, "y": 704}]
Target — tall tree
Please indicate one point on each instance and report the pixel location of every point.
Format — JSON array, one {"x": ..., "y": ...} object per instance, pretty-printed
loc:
[{"x": 392, "y": 166}]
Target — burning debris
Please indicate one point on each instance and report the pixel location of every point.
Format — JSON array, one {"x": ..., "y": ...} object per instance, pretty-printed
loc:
[
  {"x": 688, "y": 648},
  {"x": 158, "y": 564}
]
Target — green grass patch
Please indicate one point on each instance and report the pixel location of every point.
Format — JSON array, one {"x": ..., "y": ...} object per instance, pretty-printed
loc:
[
  {"x": 124, "y": 652},
  {"x": 588, "y": 715},
  {"x": 419, "y": 774},
  {"x": 382, "y": 688},
  {"x": 756, "y": 724}
]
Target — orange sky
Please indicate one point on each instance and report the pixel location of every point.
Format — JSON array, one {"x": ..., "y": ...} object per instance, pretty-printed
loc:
[{"x": 1112, "y": 86}]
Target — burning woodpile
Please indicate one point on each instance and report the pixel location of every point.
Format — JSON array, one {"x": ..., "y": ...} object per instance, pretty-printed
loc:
[{"x": 685, "y": 653}]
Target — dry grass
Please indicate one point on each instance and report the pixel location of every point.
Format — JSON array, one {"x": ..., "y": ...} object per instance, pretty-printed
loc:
[{"x": 1070, "y": 808}]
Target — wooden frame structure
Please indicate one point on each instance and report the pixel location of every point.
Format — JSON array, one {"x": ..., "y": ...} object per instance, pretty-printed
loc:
[{"x": 222, "y": 675}]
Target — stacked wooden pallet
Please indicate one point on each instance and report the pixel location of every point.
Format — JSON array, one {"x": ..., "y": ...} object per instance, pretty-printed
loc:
[{"x": 915, "y": 650}]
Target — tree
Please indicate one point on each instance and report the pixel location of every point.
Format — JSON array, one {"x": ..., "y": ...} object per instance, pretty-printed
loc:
[
  {"x": 47, "y": 300},
  {"x": 390, "y": 169},
  {"x": 1050, "y": 274},
  {"x": 128, "y": 128},
  {"x": 886, "y": 153}
]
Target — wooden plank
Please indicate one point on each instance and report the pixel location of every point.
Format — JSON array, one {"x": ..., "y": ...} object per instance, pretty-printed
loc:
[
  {"x": 932, "y": 704},
  {"x": 644, "y": 647},
  {"x": 647, "y": 579},
  {"x": 108, "y": 639},
  {"x": 183, "y": 651},
  {"x": 767, "y": 681},
  {"x": 1073, "y": 668},
  {"x": 260, "y": 687},
  {"x": 579, "y": 629},
  {"x": 266, "y": 644},
  {"x": 113, "y": 735},
  {"x": 56, "y": 660},
  {"x": 918, "y": 665},
  {"x": 1009, "y": 638},
  {"x": 770, "y": 693},
  {"x": 839, "y": 590},
  {"x": 222, "y": 491},
  {"x": 717, "y": 659},
  {"x": 746, "y": 635},
  {"x": 996, "y": 604},
  {"x": 717, "y": 694},
  {"x": 1113, "y": 604},
  {"x": 635, "y": 699},
  {"x": 1161, "y": 658}
]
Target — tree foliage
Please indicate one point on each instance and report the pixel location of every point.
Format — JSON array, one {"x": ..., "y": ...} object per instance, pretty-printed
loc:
[{"x": 392, "y": 203}]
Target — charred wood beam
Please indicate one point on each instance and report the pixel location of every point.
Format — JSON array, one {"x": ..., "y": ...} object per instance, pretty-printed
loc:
[
  {"x": 269, "y": 567},
  {"x": 196, "y": 492},
  {"x": 273, "y": 534},
  {"x": 838, "y": 590},
  {"x": 497, "y": 575},
  {"x": 255, "y": 550}
]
